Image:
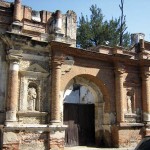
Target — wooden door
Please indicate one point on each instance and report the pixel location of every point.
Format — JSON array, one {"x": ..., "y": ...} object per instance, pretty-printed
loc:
[{"x": 80, "y": 120}]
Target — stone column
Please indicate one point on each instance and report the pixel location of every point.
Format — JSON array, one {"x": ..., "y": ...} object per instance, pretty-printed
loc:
[
  {"x": 56, "y": 79},
  {"x": 120, "y": 93},
  {"x": 12, "y": 99},
  {"x": 17, "y": 11},
  {"x": 146, "y": 93}
]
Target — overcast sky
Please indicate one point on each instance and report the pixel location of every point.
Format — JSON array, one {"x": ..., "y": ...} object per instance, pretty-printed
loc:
[{"x": 137, "y": 11}]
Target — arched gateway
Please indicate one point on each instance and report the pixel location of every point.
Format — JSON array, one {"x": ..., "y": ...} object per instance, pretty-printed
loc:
[
  {"x": 102, "y": 93},
  {"x": 83, "y": 104}
]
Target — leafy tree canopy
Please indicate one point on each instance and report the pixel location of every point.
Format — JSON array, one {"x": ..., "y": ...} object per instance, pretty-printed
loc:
[{"x": 95, "y": 30}]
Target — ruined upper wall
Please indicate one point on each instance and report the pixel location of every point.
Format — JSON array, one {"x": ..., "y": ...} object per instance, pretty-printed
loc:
[{"x": 41, "y": 25}]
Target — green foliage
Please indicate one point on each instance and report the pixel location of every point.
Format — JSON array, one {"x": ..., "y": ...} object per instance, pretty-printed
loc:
[{"x": 97, "y": 31}]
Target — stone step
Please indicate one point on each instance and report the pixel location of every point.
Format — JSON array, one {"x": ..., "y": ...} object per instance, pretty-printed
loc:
[{"x": 92, "y": 148}]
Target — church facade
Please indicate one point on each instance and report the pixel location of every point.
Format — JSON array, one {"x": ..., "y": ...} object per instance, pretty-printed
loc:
[{"x": 53, "y": 94}]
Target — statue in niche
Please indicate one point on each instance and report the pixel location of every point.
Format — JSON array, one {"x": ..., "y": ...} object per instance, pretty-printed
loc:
[
  {"x": 130, "y": 102},
  {"x": 32, "y": 95}
]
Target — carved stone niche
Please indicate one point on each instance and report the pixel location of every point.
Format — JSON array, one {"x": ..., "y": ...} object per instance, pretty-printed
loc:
[
  {"x": 32, "y": 97},
  {"x": 131, "y": 114}
]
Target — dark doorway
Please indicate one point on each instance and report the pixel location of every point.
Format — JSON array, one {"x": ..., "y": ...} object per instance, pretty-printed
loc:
[{"x": 81, "y": 127}]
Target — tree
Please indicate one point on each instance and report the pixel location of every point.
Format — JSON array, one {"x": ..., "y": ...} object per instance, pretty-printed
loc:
[
  {"x": 123, "y": 36},
  {"x": 97, "y": 31}
]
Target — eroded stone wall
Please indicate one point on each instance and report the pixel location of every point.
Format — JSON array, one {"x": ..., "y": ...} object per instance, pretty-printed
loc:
[{"x": 3, "y": 81}]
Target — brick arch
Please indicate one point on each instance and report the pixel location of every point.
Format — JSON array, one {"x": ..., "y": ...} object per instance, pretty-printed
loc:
[{"x": 93, "y": 79}]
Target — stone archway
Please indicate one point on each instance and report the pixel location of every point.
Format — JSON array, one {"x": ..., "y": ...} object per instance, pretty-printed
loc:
[{"x": 82, "y": 91}]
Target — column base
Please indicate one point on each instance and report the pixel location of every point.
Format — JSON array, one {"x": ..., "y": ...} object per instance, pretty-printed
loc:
[
  {"x": 146, "y": 117},
  {"x": 55, "y": 122},
  {"x": 11, "y": 116}
]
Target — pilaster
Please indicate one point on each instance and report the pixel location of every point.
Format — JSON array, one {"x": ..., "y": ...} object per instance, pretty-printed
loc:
[
  {"x": 12, "y": 97},
  {"x": 120, "y": 73},
  {"x": 56, "y": 79},
  {"x": 145, "y": 93}
]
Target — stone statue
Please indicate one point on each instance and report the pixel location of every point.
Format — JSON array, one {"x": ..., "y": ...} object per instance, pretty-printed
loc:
[
  {"x": 129, "y": 103},
  {"x": 32, "y": 95}
]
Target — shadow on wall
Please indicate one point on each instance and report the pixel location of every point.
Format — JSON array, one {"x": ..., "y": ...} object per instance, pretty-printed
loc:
[{"x": 1, "y": 138}]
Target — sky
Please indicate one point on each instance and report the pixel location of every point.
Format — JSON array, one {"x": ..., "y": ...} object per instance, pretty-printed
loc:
[{"x": 137, "y": 11}]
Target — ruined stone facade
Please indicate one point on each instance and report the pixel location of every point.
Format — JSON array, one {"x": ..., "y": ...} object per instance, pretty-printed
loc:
[{"x": 39, "y": 67}]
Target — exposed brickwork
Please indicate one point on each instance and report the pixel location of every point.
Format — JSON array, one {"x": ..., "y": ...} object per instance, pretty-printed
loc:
[
  {"x": 17, "y": 10},
  {"x": 121, "y": 95},
  {"x": 124, "y": 138},
  {"x": 56, "y": 144}
]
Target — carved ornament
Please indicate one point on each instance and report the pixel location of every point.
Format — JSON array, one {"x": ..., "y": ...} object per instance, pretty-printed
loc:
[
  {"x": 58, "y": 60},
  {"x": 120, "y": 69},
  {"x": 14, "y": 55}
]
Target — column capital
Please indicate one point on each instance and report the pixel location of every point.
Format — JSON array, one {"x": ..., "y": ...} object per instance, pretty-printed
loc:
[
  {"x": 14, "y": 55},
  {"x": 119, "y": 69},
  {"x": 145, "y": 71},
  {"x": 145, "y": 76},
  {"x": 57, "y": 60}
]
